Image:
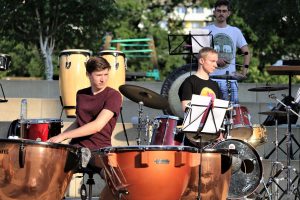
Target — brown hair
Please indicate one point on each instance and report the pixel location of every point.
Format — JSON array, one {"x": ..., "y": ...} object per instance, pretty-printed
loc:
[
  {"x": 97, "y": 64},
  {"x": 222, "y": 3}
]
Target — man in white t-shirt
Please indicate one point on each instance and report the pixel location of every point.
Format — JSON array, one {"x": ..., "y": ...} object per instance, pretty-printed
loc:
[{"x": 226, "y": 40}]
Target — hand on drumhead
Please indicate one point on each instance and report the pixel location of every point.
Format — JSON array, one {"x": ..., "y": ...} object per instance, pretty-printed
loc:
[{"x": 57, "y": 139}]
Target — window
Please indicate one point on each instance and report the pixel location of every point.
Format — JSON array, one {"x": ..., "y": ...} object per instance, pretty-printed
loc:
[
  {"x": 198, "y": 10},
  {"x": 181, "y": 10}
]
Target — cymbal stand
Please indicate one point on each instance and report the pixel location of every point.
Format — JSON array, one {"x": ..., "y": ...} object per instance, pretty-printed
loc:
[
  {"x": 289, "y": 154},
  {"x": 229, "y": 122},
  {"x": 140, "y": 121},
  {"x": 148, "y": 130},
  {"x": 273, "y": 178}
]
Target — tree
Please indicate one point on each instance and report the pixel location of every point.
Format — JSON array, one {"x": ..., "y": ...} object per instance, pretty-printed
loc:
[
  {"x": 139, "y": 19},
  {"x": 275, "y": 25},
  {"x": 51, "y": 23}
]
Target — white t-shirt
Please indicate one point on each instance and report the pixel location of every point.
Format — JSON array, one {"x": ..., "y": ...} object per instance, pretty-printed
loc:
[{"x": 226, "y": 41}]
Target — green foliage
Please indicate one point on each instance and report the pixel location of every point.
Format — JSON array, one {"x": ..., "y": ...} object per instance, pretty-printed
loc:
[
  {"x": 270, "y": 27},
  {"x": 26, "y": 60}
]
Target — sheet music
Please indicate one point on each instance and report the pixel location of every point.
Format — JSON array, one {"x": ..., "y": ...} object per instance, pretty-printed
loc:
[
  {"x": 213, "y": 113},
  {"x": 200, "y": 39},
  {"x": 216, "y": 115}
]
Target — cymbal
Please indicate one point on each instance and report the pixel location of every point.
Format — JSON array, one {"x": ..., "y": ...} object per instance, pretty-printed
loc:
[
  {"x": 266, "y": 89},
  {"x": 228, "y": 77},
  {"x": 139, "y": 94},
  {"x": 274, "y": 113}
]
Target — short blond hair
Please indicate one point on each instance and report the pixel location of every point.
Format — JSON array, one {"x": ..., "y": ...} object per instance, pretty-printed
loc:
[{"x": 205, "y": 51}]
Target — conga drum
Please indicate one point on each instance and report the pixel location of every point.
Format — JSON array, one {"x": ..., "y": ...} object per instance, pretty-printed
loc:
[
  {"x": 72, "y": 76},
  {"x": 117, "y": 62}
]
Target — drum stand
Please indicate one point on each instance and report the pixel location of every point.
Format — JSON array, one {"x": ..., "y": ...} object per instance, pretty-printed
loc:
[
  {"x": 138, "y": 139},
  {"x": 4, "y": 100},
  {"x": 289, "y": 153}
]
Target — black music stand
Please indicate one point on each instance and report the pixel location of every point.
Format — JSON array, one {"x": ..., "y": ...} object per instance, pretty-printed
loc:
[{"x": 189, "y": 44}]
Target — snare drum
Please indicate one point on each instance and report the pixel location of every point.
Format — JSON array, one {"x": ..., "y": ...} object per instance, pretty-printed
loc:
[
  {"x": 35, "y": 170},
  {"x": 164, "y": 130},
  {"x": 148, "y": 172},
  {"x": 40, "y": 129},
  {"x": 242, "y": 127},
  {"x": 72, "y": 76},
  {"x": 117, "y": 62},
  {"x": 215, "y": 175}
]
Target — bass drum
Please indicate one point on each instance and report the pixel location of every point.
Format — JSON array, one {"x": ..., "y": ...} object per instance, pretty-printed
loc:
[
  {"x": 171, "y": 86},
  {"x": 246, "y": 168}
]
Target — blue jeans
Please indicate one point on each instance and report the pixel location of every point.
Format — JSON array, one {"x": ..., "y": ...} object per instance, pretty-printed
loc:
[{"x": 225, "y": 90}]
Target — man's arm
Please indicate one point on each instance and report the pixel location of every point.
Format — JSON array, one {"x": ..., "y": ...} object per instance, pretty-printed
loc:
[
  {"x": 184, "y": 104},
  {"x": 88, "y": 129},
  {"x": 246, "y": 62}
]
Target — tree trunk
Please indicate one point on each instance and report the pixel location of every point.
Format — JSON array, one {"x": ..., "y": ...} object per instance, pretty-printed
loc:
[{"x": 47, "y": 46}]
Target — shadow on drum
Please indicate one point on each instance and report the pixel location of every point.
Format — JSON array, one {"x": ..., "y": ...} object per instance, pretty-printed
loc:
[
  {"x": 35, "y": 170},
  {"x": 215, "y": 176}
]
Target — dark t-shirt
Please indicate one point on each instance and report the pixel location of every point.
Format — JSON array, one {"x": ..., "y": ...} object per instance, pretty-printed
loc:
[
  {"x": 195, "y": 85},
  {"x": 88, "y": 106}
]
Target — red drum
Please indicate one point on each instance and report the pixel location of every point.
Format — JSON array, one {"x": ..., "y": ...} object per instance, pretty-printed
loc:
[
  {"x": 35, "y": 170},
  {"x": 242, "y": 126},
  {"x": 148, "y": 172},
  {"x": 164, "y": 130},
  {"x": 215, "y": 175},
  {"x": 40, "y": 129}
]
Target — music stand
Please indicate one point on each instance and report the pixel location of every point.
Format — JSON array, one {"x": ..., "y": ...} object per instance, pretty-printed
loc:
[
  {"x": 189, "y": 44},
  {"x": 204, "y": 116}
]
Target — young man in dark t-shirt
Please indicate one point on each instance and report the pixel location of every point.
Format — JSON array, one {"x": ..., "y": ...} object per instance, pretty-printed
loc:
[
  {"x": 97, "y": 111},
  {"x": 200, "y": 83}
]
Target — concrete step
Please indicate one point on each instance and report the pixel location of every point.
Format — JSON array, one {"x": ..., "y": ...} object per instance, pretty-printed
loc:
[{"x": 51, "y": 108}]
